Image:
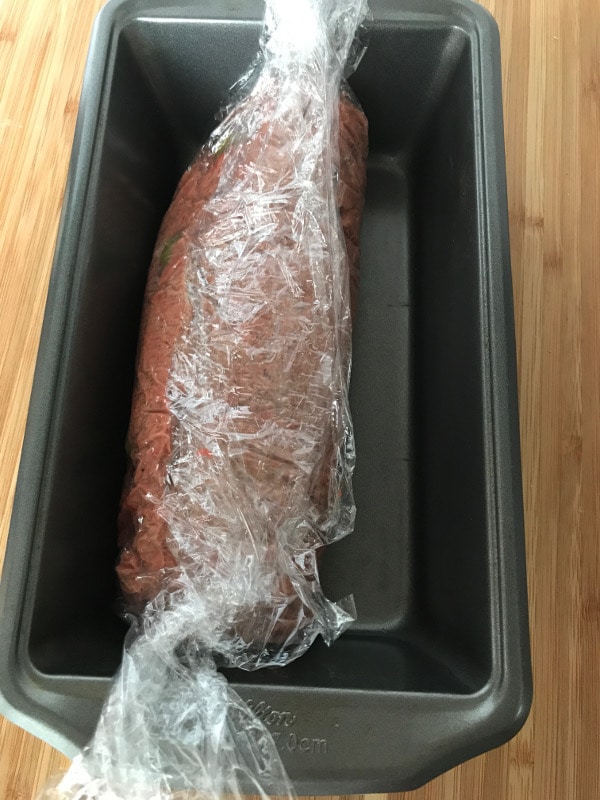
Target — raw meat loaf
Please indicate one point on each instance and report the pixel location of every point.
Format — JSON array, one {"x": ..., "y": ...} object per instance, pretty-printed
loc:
[{"x": 149, "y": 557}]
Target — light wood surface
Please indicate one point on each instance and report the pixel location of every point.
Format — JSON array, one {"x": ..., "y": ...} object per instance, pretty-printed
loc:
[{"x": 551, "y": 71}]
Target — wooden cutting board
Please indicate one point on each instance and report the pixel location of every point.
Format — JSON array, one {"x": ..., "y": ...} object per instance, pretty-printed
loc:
[{"x": 551, "y": 52}]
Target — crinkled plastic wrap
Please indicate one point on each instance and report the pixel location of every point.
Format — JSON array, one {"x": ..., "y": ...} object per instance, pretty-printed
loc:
[{"x": 240, "y": 442}]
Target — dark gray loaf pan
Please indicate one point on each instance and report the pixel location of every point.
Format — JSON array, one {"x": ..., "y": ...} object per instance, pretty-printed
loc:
[{"x": 436, "y": 669}]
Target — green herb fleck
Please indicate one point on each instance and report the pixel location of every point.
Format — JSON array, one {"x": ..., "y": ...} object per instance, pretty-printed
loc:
[
  {"x": 223, "y": 143},
  {"x": 167, "y": 251}
]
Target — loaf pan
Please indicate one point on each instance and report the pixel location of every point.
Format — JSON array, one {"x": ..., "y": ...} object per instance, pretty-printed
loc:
[{"x": 436, "y": 668}]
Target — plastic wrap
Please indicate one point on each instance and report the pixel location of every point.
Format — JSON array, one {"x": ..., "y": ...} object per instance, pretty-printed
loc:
[{"x": 240, "y": 442}]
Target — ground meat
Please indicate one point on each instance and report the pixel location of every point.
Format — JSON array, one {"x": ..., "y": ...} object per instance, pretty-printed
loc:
[{"x": 186, "y": 329}]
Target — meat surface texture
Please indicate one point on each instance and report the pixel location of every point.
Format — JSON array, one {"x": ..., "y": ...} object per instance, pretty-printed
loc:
[{"x": 240, "y": 440}]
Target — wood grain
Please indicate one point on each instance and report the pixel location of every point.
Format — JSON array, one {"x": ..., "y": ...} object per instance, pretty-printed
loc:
[{"x": 551, "y": 75}]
